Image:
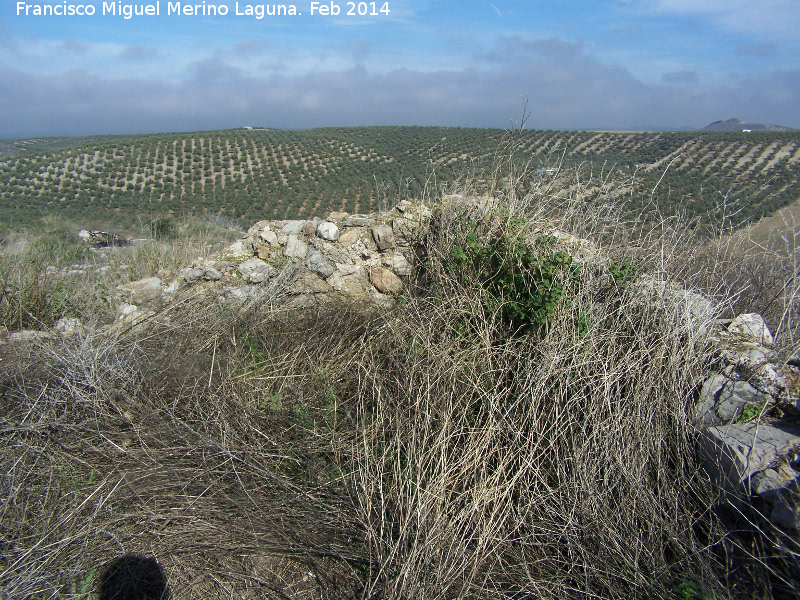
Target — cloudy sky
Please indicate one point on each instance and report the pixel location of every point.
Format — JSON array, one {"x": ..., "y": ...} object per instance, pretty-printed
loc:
[{"x": 581, "y": 64}]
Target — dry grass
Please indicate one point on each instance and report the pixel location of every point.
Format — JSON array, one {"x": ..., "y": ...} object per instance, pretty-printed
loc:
[
  {"x": 429, "y": 452},
  {"x": 49, "y": 275}
]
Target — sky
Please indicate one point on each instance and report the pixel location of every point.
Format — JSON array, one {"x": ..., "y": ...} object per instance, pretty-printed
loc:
[{"x": 575, "y": 64}]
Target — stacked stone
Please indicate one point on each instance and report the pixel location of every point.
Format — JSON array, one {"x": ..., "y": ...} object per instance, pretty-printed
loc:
[
  {"x": 350, "y": 256},
  {"x": 749, "y": 413}
]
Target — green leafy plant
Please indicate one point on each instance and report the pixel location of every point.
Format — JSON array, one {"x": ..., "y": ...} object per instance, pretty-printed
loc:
[
  {"x": 85, "y": 583},
  {"x": 622, "y": 271},
  {"x": 526, "y": 282},
  {"x": 750, "y": 412},
  {"x": 273, "y": 402}
]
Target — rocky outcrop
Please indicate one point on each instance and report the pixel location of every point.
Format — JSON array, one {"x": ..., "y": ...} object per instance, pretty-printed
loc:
[
  {"x": 748, "y": 415},
  {"x": 343, "y": 256},
  {"x": 102, "y": 239},
  {"x": 140, "y": 292}
]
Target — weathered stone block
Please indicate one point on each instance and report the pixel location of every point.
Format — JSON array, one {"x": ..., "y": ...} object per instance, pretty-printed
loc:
[
  {"x": 295, "y": 248},
  {"x": 383, "y": 236},
  {"x": 141, "y": 291},
  {"x": 317, "y": 263},
  {"x": 328, "y": 231},
  {"x": 736, "y": 452},
  {"x": 752, "y": 326},
  {"x": 256, "y": 270},
  {"x": 385, "y": 281},
  {"x": 293, "y": 227}
]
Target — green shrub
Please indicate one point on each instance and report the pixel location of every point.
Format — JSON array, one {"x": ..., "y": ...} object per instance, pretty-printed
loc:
[
  {"x": 622, "y": 271},
  {"x": 162, "y": 228},
  {"x": 526, "y": 282}
]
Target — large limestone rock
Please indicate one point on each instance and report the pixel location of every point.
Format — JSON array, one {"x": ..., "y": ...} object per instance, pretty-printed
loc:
[
  {"x": 350, "y": 236},
  {"x": 778, "y": 487},
  {"x": 238, "y": 296},
  {"x": 237, "y": 251},
  {"x": 722, "y": 400},
  {"x": 295, "y": 247},
  {"x": 270, "y": 237},
  {"x": 328, "y": 231},
  {"x": 196, "y": 274},
  {"x": 384, "y": 237},
  {"x": 293, "y": 227},
  {"x": 752, "y": 326},
  {"x": 317, "y": 263},
  {"x": 308, "y": 283},
  {"x": 256, "y": 270},
  {"x": 757, "y": 459},
  {"x": 141, "y": 291},
  {"x": 740, "y": 450},
  {"x": 358, "y": 221}
]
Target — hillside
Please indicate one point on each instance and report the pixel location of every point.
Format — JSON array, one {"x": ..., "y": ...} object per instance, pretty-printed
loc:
[
  {"x": 739, "y": 125},
  {"x": 248, "y": 175},
  {"x": 449, "y": 400}
]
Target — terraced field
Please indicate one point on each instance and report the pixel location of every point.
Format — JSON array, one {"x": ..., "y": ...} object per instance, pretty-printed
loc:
[{"x": 248, "y": 175}]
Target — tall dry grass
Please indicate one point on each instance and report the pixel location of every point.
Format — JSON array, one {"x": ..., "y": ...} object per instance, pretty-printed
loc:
[
  {"x": 427, "y": 452},
  {"x": 50, "y": 274}
]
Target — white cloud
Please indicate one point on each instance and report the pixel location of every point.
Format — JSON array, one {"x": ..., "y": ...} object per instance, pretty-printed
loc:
[
  {"x": 771, "y": 18},
  {"x": 567, "y": 88}
]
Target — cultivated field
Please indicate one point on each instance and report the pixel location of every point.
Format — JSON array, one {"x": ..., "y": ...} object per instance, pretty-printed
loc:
[{"x": 247, "y": 175}]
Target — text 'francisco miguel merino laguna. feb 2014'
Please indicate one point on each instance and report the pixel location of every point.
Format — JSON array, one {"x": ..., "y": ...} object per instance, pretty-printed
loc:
[{"x": 258, "y": 11}]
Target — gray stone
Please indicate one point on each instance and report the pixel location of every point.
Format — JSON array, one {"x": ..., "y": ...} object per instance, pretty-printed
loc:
[
  {"x": 704, "y": 409},
  {"x": 240, "y": 295},
  {"x": 752, "y": 326},
  {"x": 328, "y": 231},
  {"x": 293, "y": 227},
  {"x": 68, "y": 327},
  {"x": 30, "y": 335},
  {"x": 405, "y": 230},
  {"x": 383, "y": 236},
  {"x": 357, "y": 221},
  {"x": 317, "y": 263},
  {"x": 736, "y": 452},
  {"x": 398, "y": 263},
  {"x": 722, "y": 400},
  {"x": 306, "y": 282},
  {"x": 256, "y": 270},
  {"x": 778, "y": 486},
  {"x": 310, "y": 227},
  {"x": 331, "y": 250},
  {"x": 257, "y": 228},
  {"x": 238, "y": 249},
  {"x": 746, "y": 355},
  {"x": 196, "y": 274},
  {"x": 140, "y": 291},
  {"x": 295, "y": 248}
]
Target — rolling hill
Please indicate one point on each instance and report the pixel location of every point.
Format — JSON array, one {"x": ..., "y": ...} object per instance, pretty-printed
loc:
[{"x": 247, "y": 175}]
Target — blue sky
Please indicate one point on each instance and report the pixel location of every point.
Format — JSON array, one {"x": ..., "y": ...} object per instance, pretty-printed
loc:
[{"x": 607, "y": 64}]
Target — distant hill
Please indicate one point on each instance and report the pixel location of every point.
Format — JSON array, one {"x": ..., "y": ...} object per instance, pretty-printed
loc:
[
  {"x": 249, "y": 175},
  {"x": 739, "y": 125}
]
